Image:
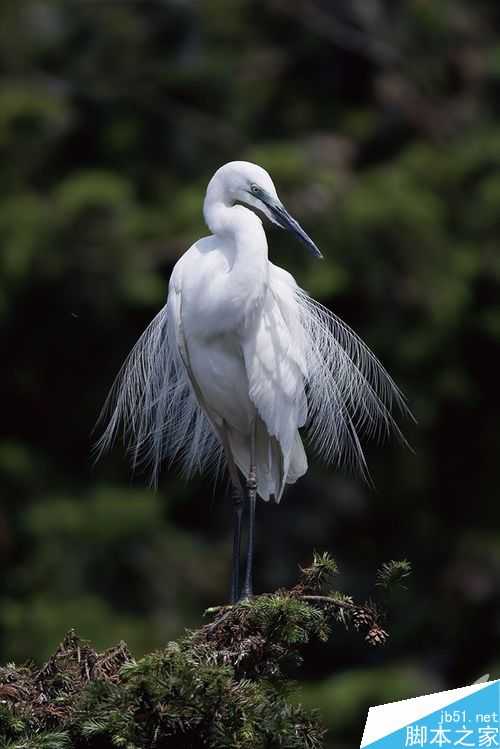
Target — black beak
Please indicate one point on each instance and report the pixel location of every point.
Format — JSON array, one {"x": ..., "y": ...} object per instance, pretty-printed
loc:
[{"x": 285, "y": 221}]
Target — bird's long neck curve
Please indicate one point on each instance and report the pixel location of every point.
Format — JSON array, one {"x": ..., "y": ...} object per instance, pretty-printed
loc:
[
  {"x": 239, "y": 227},
  {"x": 244, "y": 245}
]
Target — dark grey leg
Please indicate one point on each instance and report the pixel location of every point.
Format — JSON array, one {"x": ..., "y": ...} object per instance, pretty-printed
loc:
[
  {"x": 238, "y": 497},
  {"x": 238, "y": 514},
  {"x": 252, "y": 498}
]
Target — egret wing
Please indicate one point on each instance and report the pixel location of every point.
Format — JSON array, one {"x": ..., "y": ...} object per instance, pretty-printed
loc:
[
  {"x": 274, "y": 353},
  {"x": 306, "y": 367}
]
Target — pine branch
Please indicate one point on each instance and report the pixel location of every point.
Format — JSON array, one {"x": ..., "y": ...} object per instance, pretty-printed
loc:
[{"x": 225, "y": 684}]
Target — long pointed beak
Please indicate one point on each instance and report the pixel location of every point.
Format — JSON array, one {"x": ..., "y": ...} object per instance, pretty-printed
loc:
[{"x": 285, "y": 221}]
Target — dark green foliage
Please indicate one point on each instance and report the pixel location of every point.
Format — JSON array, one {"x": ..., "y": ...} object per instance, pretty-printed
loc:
[
  {"x": 393, "y": 574},
  {"x": 224, "y": 685},
  {"x": 320, "y": 573}
]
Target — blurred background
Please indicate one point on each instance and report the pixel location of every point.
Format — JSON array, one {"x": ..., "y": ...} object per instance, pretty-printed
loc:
[{"x": 379, "y": 122}]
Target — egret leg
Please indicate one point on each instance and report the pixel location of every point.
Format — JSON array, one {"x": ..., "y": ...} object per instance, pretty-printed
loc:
[
  {"x": 238, "y": 515},
  {"x": 238, "y": 496},
  {"x": 252, "y": 498}
]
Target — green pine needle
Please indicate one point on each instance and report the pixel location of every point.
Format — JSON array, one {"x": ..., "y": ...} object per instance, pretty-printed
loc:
[
  {"x": 393, "y": 574},
  {"x": 320, "y": 573}
]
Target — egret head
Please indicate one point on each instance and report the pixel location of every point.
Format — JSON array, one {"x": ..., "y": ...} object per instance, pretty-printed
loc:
[{"x": 244, "y": 183}]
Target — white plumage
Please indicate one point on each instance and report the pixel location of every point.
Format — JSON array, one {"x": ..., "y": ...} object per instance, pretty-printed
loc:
[
  {"x": 239, "y": 350},
  {"x": 239, "y": 340}
]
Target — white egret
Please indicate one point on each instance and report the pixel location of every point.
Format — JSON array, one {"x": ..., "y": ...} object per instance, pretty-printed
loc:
[{"x": 240, "y": 359}]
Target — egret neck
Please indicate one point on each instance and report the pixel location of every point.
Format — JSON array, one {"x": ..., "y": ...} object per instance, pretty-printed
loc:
[{"x": 244, "y": 244}]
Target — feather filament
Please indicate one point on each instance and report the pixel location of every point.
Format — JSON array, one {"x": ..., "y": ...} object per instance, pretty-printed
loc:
[
  {"x": 349, "y": 392},
  {"x": 153, "y": 408}
]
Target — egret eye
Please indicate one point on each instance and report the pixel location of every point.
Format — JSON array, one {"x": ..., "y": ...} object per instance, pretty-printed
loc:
[{"x": 255, "y": 189}]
